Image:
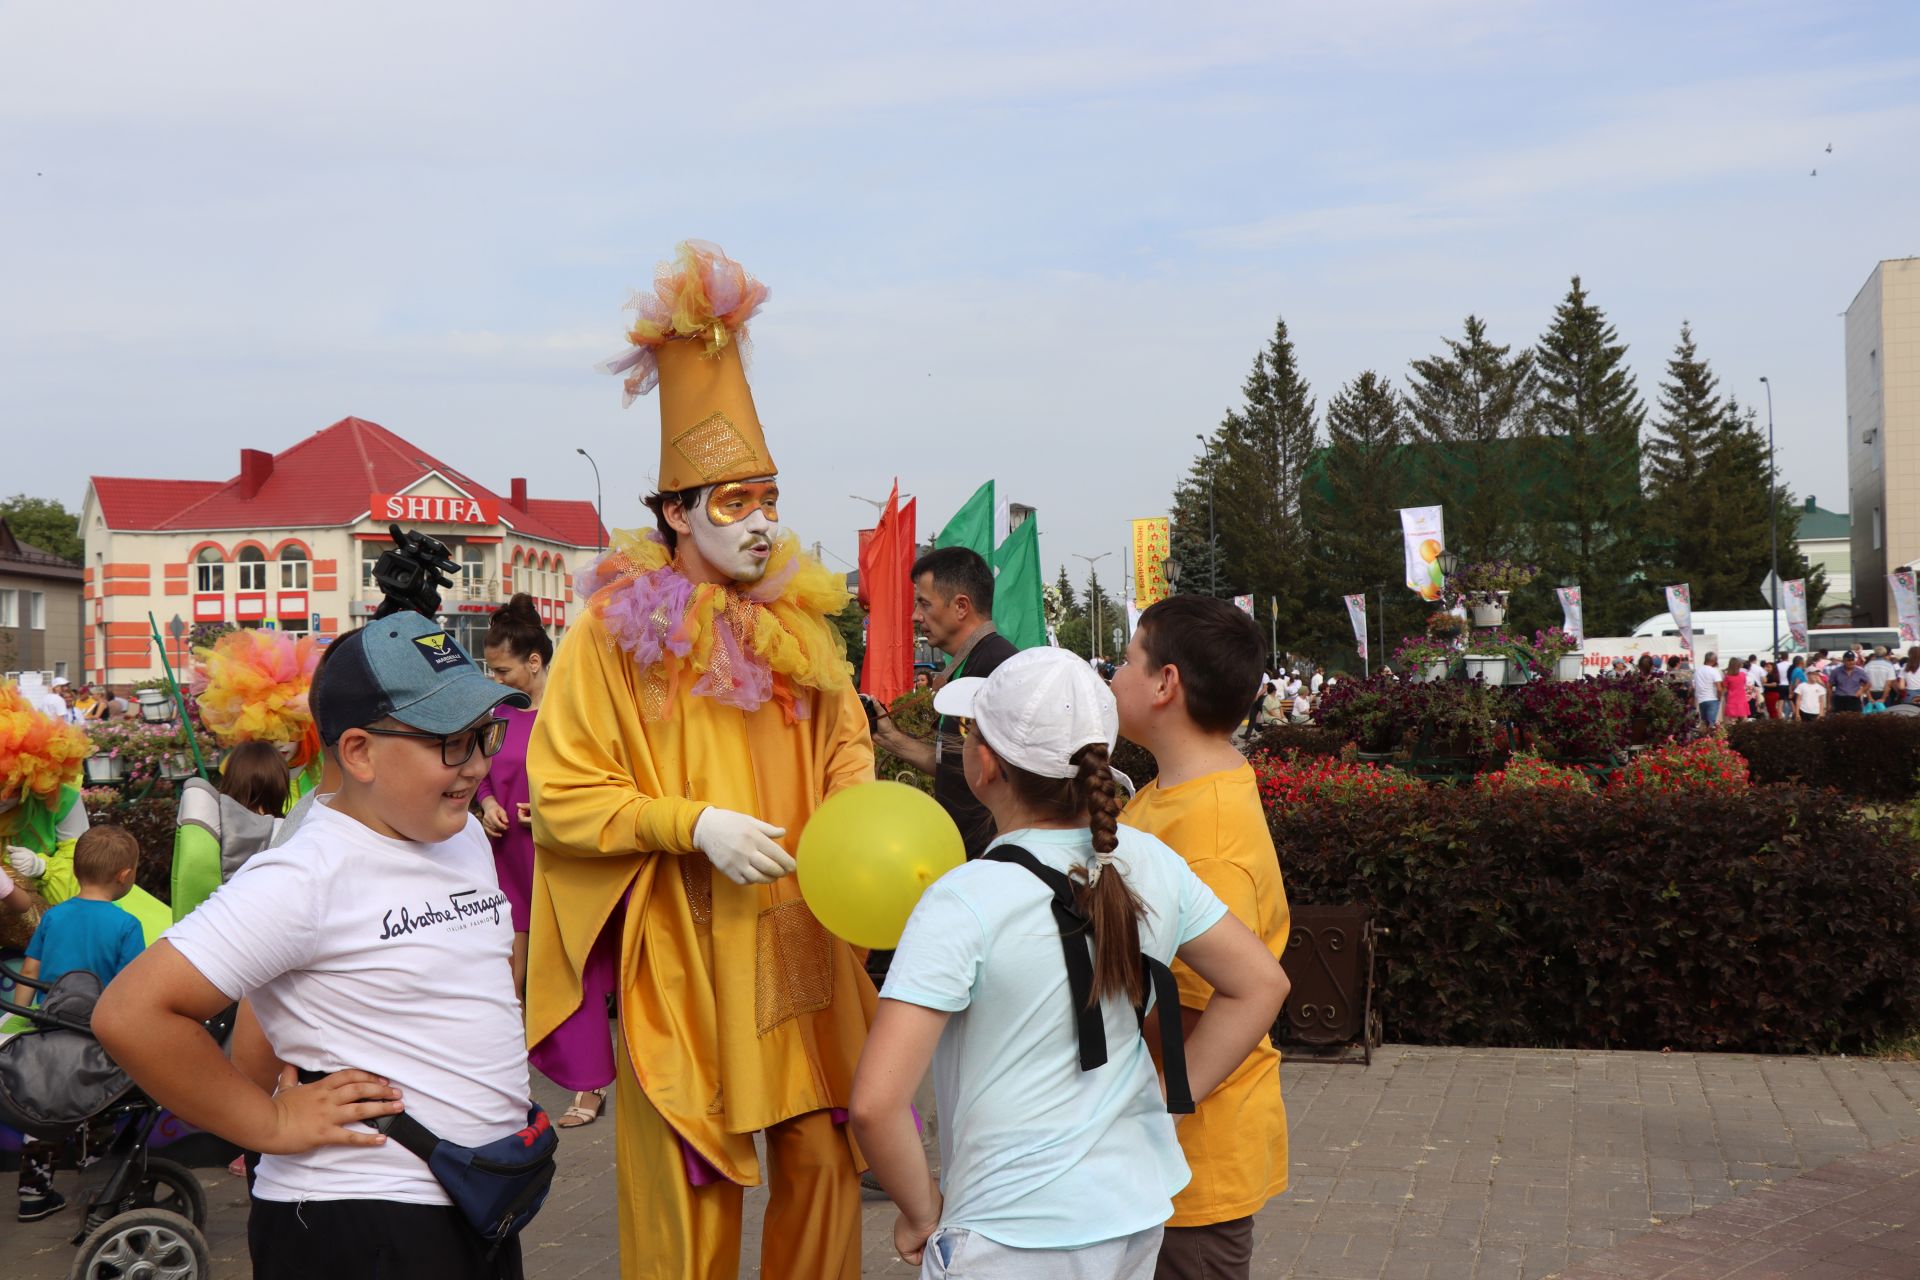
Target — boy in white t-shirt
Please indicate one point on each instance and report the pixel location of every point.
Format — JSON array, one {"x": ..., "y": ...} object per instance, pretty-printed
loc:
[
  {"x": 1810, "y": 699},
  {"x": 373, "y": 945}
]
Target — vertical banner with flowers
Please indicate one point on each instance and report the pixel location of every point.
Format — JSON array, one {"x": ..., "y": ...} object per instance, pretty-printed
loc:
[
  {"x": 1357, "y": 614},
  {"x": 1906, "y": 605},
  {"x": 1680, "y": 605},
  {"x": 1151, "y": 546},
  {"x": 1797, "y": 613},
  {"x": 1422, "y": 529},
  {"x": 1575, "y": 625}
]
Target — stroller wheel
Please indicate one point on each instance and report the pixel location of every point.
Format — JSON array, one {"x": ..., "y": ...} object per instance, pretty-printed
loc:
[
  {"x": 147, "y": 1244},
  {"x": 171, "y": 1186}
]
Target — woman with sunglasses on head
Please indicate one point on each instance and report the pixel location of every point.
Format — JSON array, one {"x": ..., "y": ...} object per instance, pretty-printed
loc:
[{"x": 1018, "y": 980}]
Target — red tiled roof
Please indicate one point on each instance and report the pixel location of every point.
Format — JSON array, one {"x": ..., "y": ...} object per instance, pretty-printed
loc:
[{"x": 324, "y": 480}]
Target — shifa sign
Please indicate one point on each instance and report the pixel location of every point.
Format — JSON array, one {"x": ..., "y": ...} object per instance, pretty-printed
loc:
[{"x": 418, "y": 508}]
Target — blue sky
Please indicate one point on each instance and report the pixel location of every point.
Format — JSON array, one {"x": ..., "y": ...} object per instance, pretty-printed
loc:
[{"x": 1034, "y": 243}]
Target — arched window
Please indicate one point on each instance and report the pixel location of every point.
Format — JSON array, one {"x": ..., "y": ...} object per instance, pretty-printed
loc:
[
  {"x": 293, "y": 569},
  {"x": 253, "y": 570},
  {"x": 209, "y": 571}
]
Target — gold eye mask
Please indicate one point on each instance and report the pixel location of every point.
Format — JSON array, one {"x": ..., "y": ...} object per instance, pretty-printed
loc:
[{"x": 733, "y": 502}]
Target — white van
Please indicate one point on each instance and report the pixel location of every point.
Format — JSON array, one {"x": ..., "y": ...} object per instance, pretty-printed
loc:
[{"x": 1745, "y": 631}]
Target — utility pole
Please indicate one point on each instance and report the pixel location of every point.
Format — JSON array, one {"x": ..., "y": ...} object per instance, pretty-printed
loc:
[
  {"x": 1093, "y": 605},
  {"x": 1773, "y": 528},
  {"x": 1213, "y": 546}
]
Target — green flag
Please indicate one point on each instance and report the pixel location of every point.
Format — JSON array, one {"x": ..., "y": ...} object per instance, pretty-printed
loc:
[
  {"x": 1017, "y": 609},
  {"x": 972, "y": 525}
]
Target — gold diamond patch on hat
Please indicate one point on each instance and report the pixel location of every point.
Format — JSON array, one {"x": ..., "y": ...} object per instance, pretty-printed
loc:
[{"x": 713, "y": 446}]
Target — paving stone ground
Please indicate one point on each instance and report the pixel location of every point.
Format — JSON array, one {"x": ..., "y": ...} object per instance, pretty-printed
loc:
[{"x": 1446, "y": 1164}]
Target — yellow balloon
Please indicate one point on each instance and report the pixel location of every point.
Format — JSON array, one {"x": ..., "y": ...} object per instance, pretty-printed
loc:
[{"x": 868, "y": 853}]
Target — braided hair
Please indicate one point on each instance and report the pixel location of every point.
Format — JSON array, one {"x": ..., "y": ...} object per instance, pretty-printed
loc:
[{"x": 1105, "y": 899}]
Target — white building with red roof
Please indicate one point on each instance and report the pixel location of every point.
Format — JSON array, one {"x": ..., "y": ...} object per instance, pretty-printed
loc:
[{"x": 290, "y": 543}]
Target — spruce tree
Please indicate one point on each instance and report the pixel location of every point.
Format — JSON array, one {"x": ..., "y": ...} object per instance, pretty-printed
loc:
[
  {"x": 1189, "y": 542},
  {"x": 1590, "y": 413},
  {"x": 1706, "y": 517},
  {"x": 1353, "y": 516},
  {"x": 1681, "y": 524},
  {"x": 1263, "y": 450},
  {"x": 1464, "y": 405}
]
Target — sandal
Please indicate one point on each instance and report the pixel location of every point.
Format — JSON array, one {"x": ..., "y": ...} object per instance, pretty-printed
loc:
[{"x": 580, "y": 1114}]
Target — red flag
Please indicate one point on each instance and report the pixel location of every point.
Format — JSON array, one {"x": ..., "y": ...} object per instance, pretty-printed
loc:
[{"x": 886, "y": 559}]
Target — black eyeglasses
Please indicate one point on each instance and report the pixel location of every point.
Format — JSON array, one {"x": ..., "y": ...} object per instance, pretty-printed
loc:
[{"x": 458, "y": 748}]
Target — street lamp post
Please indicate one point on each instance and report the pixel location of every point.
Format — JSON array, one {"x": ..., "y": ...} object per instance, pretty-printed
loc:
[
  {"x": 599, "y": 513},
  {"x": 1773, "y": 525},
  {"x": 1213, "y": 550},
  {"x": 1093, "y": 637}
]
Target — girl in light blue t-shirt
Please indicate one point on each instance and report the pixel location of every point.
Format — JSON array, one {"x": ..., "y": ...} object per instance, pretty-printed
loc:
[{"x": 1048, "y": 1167}]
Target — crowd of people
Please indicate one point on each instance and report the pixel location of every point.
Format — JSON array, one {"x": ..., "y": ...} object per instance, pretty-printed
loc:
[{"x": 1801, "y": 686}]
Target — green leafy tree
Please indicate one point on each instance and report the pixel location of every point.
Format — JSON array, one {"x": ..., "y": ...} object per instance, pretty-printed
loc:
[
  {"x": 851, "y": 623},
  {"x": 1590, "y": 413},
  {"x": 1465, "y": 404},
  {"x": 44, "y": 523},
  {"x": 1353, "y": 516},
  {"x": 1263, "y": 449}
]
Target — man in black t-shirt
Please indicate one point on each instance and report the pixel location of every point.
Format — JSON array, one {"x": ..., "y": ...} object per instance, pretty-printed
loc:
[{"x": 953, "y": 604}]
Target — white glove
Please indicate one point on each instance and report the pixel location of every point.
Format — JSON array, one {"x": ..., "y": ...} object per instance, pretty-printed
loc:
[
  {"x": 26, "y": 864},
  {"x": 741, "y": 846}
]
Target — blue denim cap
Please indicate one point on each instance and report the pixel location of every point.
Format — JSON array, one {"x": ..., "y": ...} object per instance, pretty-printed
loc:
[{"x": 405, "y": 666}]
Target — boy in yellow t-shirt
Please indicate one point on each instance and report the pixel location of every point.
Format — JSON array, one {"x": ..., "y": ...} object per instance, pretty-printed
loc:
[{"x": 1192, "y": 668}]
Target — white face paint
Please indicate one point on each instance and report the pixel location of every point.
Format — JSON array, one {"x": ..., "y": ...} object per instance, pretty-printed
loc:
[{"x": 740, "y": 549}]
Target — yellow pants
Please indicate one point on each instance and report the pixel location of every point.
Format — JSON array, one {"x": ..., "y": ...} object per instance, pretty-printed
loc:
[{"x": 673, "y": 1230}]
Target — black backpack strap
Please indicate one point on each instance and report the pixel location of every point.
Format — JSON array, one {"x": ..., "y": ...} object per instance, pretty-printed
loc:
[
  {"x": 400, "y": 1126},
  {"x": 1076, "y": 943},
  {"x": 1173, "y": 1034}
]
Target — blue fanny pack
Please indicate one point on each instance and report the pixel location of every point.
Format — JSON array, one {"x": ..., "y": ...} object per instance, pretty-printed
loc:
[{"x": 497, "y": 1188}]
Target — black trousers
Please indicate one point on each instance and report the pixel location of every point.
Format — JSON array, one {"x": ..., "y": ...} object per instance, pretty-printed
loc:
[{"x": 371, "y": 1240}]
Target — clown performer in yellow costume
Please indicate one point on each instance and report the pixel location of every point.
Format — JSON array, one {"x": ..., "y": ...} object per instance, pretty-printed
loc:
[
  {"x": 41, "y": 760},
  {"x": 251, "y": 686},
  {"x": 696, "y": 716}
]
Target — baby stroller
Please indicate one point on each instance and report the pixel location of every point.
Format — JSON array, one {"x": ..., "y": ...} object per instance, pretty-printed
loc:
[{"x": 144, "y": 1218}]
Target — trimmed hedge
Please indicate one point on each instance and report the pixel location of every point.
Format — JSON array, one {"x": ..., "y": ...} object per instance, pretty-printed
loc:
[
  {"x": 1873, "y": 757},
  {"x": 1776, "y": 920},
  {"x": 1307, "y": 739}
]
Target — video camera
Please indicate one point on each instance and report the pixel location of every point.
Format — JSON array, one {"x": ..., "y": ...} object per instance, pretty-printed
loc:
[{"x": 413, "y": 573}]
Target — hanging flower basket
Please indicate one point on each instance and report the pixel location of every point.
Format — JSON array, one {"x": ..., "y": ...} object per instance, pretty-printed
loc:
[
  {"x": 1490, "y": 667},
  {"x": 1568, "y": 667},
  {"x": 105, "y": 767},
  {"x": 1489, "y": 609},
  {"x": 1436, "y": 671}
]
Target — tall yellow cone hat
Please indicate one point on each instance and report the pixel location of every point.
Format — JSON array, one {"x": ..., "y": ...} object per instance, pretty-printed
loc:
[{"x": 687, "y": 341}]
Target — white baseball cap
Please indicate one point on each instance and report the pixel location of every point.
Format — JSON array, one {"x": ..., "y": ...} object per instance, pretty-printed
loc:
[{"x": 1036, "y": 710}]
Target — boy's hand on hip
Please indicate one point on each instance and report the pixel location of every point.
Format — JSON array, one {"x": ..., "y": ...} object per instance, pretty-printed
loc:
[{"x": 317, "y": 1115}]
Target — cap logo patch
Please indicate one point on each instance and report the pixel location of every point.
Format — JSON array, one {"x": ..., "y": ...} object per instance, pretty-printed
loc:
[{"x": 440, "y": 651}]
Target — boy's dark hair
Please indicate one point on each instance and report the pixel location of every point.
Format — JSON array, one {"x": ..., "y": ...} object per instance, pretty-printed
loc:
[
  {"x": 102, "y": 853},
  {"x": 959, "y": 571},
  {"x": 256, "y": 778},
  {"x": 516, "y": 627},
  {"x": 1217, "y": 649},
  {"x": 657, "y": 503}
]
